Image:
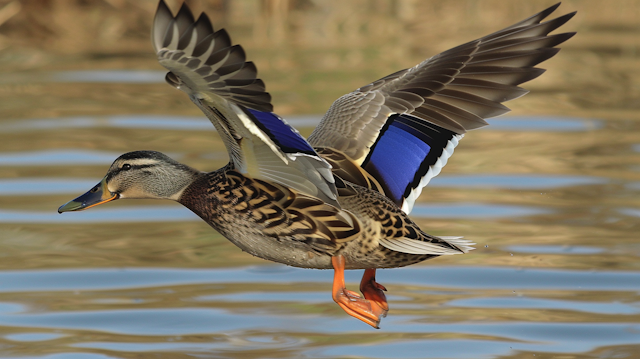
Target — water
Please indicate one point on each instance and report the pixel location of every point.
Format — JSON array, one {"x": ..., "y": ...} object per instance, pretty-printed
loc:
[{"x": 550, "y": 193}]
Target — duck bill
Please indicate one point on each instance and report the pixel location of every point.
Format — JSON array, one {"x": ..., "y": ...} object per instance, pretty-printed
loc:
[{"x": 97, "y": 195}]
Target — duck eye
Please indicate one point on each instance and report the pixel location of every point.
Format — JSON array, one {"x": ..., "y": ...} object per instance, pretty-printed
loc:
[{"x": 126, "y": 167}]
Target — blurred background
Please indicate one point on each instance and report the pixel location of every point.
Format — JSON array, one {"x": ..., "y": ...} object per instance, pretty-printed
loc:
[{"x": 550, "y": 192}]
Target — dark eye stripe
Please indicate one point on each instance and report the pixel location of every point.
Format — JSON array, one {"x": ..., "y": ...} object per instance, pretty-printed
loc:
[
  {"x": 142, "y": 166},
  {"x": 110, "y": 175}
]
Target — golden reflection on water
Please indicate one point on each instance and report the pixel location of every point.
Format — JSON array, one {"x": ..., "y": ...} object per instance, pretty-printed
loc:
[{"x": 309, "y": 53}]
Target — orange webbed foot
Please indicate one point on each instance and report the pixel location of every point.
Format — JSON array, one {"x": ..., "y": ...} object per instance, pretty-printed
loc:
[
  {"x": 353, "y": 304},
  {"x": 373, "y": 290}
]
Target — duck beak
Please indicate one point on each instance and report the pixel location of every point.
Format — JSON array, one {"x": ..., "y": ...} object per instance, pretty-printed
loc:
[{"x": 99, "y": 194}]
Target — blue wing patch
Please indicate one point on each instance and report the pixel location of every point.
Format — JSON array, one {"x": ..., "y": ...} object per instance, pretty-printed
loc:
[
  {"x": 281, "y": 133},
  {"x": 403, "y": 153}
]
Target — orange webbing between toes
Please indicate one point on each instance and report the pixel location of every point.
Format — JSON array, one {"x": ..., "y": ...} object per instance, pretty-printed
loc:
[{"x": 354, "y": 305}]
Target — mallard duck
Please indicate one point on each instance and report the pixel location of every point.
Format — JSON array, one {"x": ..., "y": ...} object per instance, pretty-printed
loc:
[{"x": 341, "y": 198}]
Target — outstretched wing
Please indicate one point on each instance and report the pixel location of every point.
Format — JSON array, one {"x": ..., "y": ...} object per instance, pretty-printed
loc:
[
  {"x": 403, "y": 127},
  {"x": 203, "y": 63}
]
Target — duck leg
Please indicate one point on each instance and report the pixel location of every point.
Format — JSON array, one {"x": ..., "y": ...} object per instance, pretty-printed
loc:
[
  {"x": 352, "y": 303},
  {"x": 374, "y": 291}
]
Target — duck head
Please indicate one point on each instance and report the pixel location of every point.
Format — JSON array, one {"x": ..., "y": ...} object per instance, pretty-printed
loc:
[{"x": 139, "y": 174}]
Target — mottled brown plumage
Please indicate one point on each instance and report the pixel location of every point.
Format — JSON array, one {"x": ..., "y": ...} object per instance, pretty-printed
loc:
[{"x": 278, "y": 224}]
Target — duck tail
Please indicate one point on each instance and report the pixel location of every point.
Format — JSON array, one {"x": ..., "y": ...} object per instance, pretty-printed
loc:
[{"x": 462, "y": 244}]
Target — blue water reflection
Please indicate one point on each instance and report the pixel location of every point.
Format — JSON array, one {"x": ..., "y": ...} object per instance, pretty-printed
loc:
[
  {"x": 506, "y": 123},
  {"x": 167, "y": 212},
  {"x": 159, "y": 122},
  {"x": 475, "y": 210},
  {"x": 181, "y": 347},
  {"x": 57, "y": 157},
  {"x": 514, "y": 181},
  {"x": 551, "y": 249},
  {"x": 197, "y": 316},
  {"x": 536, "y": 337},
  {"x": 71, "y": 355},
  {"x": 107, "y": 76},
  {"x": 33, "y": 337},
  {"x": 633, "y": 212},
  {"x": 549, "y": 304},
  {"x": 87, "y": 76},
  {"x": 433, "y": 276},
  {"x": 39, "y": 186},
  {"x": 543, "y": 123}
]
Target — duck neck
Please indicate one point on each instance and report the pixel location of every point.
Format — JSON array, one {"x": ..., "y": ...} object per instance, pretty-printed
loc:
[
  {"x": 202, "y": 195},
  {"x": 170, "y": 184}
]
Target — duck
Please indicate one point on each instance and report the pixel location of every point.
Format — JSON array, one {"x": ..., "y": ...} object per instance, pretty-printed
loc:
[{"x": 341, "y": 198}]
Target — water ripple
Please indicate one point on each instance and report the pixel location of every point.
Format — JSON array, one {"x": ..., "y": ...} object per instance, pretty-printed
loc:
[
  {"x": 475, "y": 210},
  {"x": 443, "y": 277},
  {"x": 544, "y": 123},
  {"x": 550, "y": 304},
  {"x": 57, "y": 157},
  {"x": 515, "y": 181},
  {"x": 87, "y": 76},
  {"x": 40, "y": 186},
  {"x": 550, "y": 249},
  {"x": 166, "y": 213},
  {"x": 506, "y": 123}
]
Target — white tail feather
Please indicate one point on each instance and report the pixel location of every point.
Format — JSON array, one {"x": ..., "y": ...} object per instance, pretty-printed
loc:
[{"x": 465, "y": 245}]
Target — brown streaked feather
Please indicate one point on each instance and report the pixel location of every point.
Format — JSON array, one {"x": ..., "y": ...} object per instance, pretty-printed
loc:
[
  {"x": 347, "y": 170},
  {"x": 396, "y": 231},
  {"x": 284, "y": 212},
  {"x": 283, "y": 225}
]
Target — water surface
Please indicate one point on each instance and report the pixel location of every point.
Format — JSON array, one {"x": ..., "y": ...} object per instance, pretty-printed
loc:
[{"x": 550, "y": 193}]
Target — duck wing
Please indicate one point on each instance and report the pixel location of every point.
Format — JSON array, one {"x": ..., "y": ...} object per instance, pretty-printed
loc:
[
  {"x": 215, "y": 74},
  {"x": 402, "y": 128}
]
